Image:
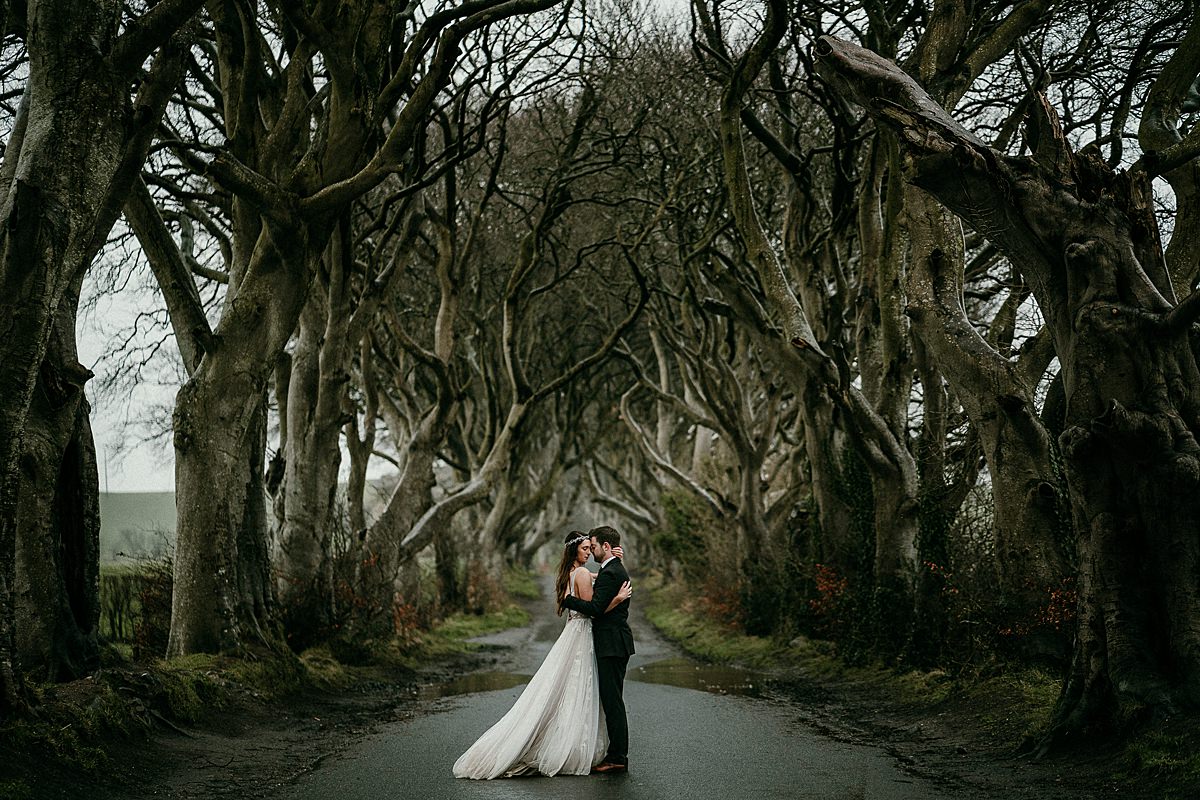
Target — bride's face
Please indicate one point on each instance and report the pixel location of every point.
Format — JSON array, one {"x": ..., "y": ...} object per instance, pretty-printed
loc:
[{"x": 584, "y": 551}]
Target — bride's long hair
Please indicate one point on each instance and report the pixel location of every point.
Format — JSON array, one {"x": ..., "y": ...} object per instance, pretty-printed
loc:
[{"x": 570, "y": 552}]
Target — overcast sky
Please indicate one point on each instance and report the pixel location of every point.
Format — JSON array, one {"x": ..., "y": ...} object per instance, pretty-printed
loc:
[{"x": 142, "y": 466}]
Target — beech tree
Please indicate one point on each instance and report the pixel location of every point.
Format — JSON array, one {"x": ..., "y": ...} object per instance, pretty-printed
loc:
[
  {"x": 76, "y": 144},
  {"x": 1084, "y": 237},
  {"x": 461, "y": 364},
  {"x": 749, "y": 479},
  {"x": 910, "y": 315},
  {"x": 551, "y": 260},
  {"x": 515, "y": 63},
  {"x": 874, "y": 410},
  {"x": 532, "y": 276},
  {"x": 293, "y": 175}
]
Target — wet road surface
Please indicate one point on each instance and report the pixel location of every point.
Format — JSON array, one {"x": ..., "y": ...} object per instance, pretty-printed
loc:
[{"x": 696, "y": 731}]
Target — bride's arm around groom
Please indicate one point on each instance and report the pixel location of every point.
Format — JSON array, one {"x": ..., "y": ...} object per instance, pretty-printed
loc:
[{"x": 608, "y": 583}]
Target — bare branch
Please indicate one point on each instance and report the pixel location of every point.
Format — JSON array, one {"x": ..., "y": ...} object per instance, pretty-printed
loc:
[{"x": 150, "y": 31}]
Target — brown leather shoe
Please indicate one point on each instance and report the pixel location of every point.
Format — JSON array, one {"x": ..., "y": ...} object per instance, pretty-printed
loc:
[{"x": 608, "y": 766}]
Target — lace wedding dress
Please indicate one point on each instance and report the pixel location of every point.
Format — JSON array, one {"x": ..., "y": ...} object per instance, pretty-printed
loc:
[{"x": 556, "y": 726}]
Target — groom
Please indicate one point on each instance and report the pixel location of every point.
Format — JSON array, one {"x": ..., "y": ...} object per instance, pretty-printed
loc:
[{"x": 614, "y": 644}]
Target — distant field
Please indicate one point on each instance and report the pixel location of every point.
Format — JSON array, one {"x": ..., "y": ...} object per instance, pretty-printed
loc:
[
  {"x": 142, "y": 524},
  {"x": 135, "y": 525}
]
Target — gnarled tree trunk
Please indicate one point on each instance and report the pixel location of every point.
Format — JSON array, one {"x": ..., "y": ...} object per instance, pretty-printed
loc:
[
  {"x": 382, "y": 552},
  {"x": 1085, "y": 240},
  {"x": 291, "y": 183},
  {"x": 58, "y": 518},
  {"x": 75, "y": 148},
  {"x": 873, "y": 416},
  {"x": 312, "y": 457},
  {"x": 221, "y": 594},
  {"x": 996, "y": 392}
]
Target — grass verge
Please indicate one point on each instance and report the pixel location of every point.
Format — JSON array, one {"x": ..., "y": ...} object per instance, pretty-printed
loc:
[
  {"x": 522, "y": 583},
  {"x": 998, "y": 708},
  {"x": 671, "y": 611},
  {"x": 1026, "y": 696},
  {"x": 449, "y": 638},
  {"x": 1167, "y": 759}
]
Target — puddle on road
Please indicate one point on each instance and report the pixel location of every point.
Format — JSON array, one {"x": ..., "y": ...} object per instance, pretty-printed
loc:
[
  {"x": 704, "y": 677},
  {"x": 677, "y": 672},
  {"x": 475, "y": 682}
]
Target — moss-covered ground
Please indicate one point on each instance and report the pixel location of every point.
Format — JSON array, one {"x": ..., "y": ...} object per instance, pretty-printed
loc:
[
  {"x": 68, "y": 737},
  {"x": 992, "y": 711},
  {"x": 521, "y": 583}
]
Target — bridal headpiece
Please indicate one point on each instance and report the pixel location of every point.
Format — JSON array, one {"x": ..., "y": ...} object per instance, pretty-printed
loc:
[{"x": 576, "y": 540}]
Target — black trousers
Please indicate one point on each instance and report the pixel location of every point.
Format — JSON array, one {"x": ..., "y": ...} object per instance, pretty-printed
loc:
[{"x": 611, "y": 674}]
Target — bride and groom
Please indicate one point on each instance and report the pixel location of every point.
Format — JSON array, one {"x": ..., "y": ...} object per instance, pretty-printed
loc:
[{"x": 570, "y": 719}]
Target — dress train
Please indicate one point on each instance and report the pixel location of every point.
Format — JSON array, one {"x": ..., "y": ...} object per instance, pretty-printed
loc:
[{"x": 556, "y": 726}]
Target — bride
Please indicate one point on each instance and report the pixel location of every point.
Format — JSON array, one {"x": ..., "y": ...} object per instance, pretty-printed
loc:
[{"x": 556, "y": 726}]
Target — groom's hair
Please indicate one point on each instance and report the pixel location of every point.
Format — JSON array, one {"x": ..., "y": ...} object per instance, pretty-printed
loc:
[{"x": 606, "y": 533}]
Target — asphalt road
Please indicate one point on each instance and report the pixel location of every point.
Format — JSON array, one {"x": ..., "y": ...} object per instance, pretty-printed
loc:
[{"x": 695, "y": 732}]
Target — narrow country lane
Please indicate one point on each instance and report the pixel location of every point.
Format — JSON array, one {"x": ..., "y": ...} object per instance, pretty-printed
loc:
[{"x": 696, "y": 731}]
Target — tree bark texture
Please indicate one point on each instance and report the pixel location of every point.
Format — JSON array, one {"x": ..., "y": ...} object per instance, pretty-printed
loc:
[
  {"x": 996, "y": 393},
  {"x": 312, "y": 455},
  {"x": 75, "y": 149},
  {"x": 995, "y": 388},
  {"x": 1085, "y": 240},
  {"x": 1159, "y": 136},
  {"x": 382, "y": 551},
  {"x": 361, "y": 445},
  {"x": 334, "y": 319},
  {"x": 221, "y": 593},
  {"x": 841, "y": 547},
  {"x": 58, "y": 518},
  {"x": 291, "y": 184},
  {"x": 868, "y": 415}
]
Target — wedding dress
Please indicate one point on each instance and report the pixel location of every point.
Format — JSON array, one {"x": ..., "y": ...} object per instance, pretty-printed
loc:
[{"x": 556, "y": 726}]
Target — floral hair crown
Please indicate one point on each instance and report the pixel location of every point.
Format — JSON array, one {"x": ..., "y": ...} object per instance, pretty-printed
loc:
[{"x": 576, "y": 540}]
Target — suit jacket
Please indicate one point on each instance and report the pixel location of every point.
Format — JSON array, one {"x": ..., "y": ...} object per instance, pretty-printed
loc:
[{"x": 610, "y": 631}]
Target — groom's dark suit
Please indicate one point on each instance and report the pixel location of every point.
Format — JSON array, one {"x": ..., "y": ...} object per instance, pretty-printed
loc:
[{"x": 614, "y": 646}]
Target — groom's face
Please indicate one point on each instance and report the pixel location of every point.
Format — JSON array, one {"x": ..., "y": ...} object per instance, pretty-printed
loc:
[{"x": 597, "y": 551}]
